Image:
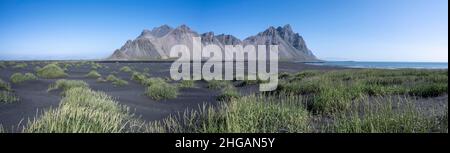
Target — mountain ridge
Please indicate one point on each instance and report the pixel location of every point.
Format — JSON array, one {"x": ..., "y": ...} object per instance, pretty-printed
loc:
[{"x": 156, "y": 43}]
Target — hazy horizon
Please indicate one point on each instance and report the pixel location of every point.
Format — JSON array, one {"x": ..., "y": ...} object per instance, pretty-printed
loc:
[{"x": 350, "y": 30}]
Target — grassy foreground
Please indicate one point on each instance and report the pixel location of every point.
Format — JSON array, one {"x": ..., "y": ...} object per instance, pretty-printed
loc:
[
  {"x": 345, "y": 101},
  {"x": 82, "y": 111},
  {"x": 335, "y": 91}
]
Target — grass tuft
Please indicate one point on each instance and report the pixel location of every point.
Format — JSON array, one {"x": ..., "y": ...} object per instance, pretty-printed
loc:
[
  {"x": 7, "y": 97},
  {"x": 4, "y": 85},
  {"x": 65, "y": 85},
  {"x": 126, "y": 69},
  {"x": 186, "y": 84},
  {"x": 51, "y": 71},
  {"x": 17, "y": 78},
  {"x": 228, "y": 94},
  {"x": 162, "y": 90},
  {"x": 120, "y": 82},
  {"x": 83, "y": 111},
  {"x": 20, "y": 65},
  {"x": 93, "y": 74},
  {"x": 116, "y": 81}
]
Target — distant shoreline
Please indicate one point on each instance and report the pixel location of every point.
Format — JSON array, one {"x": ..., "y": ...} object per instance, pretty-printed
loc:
[{"x": 383, "y": 65}]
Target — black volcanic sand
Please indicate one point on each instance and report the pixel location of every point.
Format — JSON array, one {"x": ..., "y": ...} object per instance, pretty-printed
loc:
[{"x": 34, "y": 98}]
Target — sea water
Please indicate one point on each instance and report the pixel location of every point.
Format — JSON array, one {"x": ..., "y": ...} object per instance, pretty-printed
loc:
[{"x": 385, "y": 65}]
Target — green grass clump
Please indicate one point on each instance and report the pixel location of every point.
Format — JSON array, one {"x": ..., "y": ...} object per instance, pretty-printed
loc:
[
  {"x": 65, "y": 85},
  {"x": 162, "y": 91},
  {"x": 116, "y": 81},
  {"x": 4, "y": 85},
  {"x": 381, "y": 116},
  {"x": 83, "y": 111},
  {"x": 228, "y": 94},
  {"x": 138, "y": 77},
  {"x": 186, "y": 83},
  {"x": 51, "y": 71},
  {"x": 37, "y": 68},
  {"x": 17, "y": 78},
  {"x": 95, "y": 66},
  {"x": 120, "y": 82},
  {"x": 218, "y": 84},
  {"x": 250, "y": 114},
  {"x": 146, "y": 70},
  {"x": 429, "y": 90},
  {"x": 3, "y": 65},
  {"x": 93, "y": 74},
  {"x": 7, "y": 97},
  {"x": 111, "y": 77},
  {"x": 20, "y": 65},
  {"x": 126, "y": 69},
  {"x": 153, "y": 81}
]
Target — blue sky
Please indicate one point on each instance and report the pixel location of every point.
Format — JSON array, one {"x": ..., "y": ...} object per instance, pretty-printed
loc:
[{"x": 364, "y": 30}]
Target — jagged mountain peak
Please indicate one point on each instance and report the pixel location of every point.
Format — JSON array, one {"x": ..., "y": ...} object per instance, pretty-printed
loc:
[
  {"x": 157, "y": 43},
  {"x": 146, "y": 32},
  {"x": 287, "y": 27},
  {"x": 164, "y": 26},
  {"x": 156, "y": 32},
  {"x": 209, "y": 34},
  {"x": 228, "y": 39},
  {"x": 271, "y": 31},
  {"x": 183, "y": 27},
  {"x": 208, "y": 37}
]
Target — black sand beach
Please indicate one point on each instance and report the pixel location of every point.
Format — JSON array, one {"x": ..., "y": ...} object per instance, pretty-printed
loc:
[{"x": 34, "y": 98}]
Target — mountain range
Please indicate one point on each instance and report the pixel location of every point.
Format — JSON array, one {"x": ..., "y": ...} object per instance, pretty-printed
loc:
[{"x": 156, "y": 43}]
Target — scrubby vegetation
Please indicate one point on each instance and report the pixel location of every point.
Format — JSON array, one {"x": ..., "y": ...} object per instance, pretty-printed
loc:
[
  {"x": 4, "y": 85},
  {"x": 51, "y": 71},
  {"x": 17, "y": 78},
  {"x": 37, "y": 68},
  {"x": 2, "y": 65},
  {"x": 20, "y": 65},
  {"x": 6, "y": 94},
  {"x": 218, "y": 84},
  {"x": 161, "y": 90},
  {"x": 95, "y": 66},
  {"x": 337, "y": 101},
  {"x": 65, "y": 85},
  {"x": 381, "y": 116},
  {"x": 111, "y": 77},
  {"x": 116, "y": 81},
  {"x": 120, "y": 82},
  {"x": 247, "y": 82},
  {"x": 186, "y": 83},
  {"x": 153, "y": 81},
  {"x": 247, "y": 114},
  {"x": 157, "y": 88},
  {"x": 336, "y": 90},
  {"x": 93, "y": 74},
  {"x": 138, "y": 77},
  {"x": 83, "y": 111},
  {"x": 228, "y": 93},
  {"x": 7, "y": 97},
  {"x": 126, "y": 69},
  {"x": 286, "y": 113}
]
